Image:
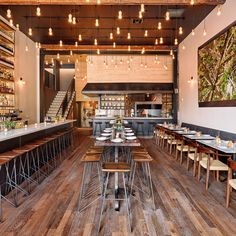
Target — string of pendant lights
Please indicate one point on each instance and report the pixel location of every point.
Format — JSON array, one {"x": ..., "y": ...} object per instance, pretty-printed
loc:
[{"x": 158, "y": 40}]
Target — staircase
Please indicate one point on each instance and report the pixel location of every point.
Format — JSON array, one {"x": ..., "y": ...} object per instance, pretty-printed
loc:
[
  {"x": 62, "y": 103},
  {"x": 54, "y": 108}
]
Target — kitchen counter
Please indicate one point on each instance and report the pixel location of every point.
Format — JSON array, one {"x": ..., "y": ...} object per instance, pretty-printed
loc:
[{"x": 143, "y": 126}]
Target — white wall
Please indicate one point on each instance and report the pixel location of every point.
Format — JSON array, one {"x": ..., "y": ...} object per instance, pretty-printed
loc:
[
  {"x": 66, "y": 75},
  {"x": 222, "y": 118},
  {"x": 154, "y": 73},
  {"x": 27, "y": 68}
]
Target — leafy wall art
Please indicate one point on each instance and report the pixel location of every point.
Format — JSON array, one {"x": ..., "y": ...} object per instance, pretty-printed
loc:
[{"x": 217, "y": 70}]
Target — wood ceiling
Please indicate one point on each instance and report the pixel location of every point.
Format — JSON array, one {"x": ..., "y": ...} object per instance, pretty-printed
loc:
[{"x": 56, "y": 16}]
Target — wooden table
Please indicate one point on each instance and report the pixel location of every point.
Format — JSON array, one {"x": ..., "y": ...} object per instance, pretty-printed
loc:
[{"x": 125, "y": 143}]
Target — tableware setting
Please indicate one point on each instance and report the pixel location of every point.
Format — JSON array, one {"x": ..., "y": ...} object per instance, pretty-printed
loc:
[
  {"x": 117, "y": 140},
  {"x": 107, "y": 131},
  {"x": 106, "y": 134},
  {"x": 129, "y": 134},
  {"x": 101, "y": 138},
  {"x": 128, "y": 130},
  {"x": 131, "y": 137}
]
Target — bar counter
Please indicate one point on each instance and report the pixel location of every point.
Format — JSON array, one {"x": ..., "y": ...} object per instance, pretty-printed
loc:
[
  {"x": 148, "y": 123},
  {"x": 18, "y": 137}
]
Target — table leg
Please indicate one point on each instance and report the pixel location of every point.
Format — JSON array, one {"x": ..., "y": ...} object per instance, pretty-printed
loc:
[
  {"x": 117, "y": 204},
  {"x": 234, "y": 172}
]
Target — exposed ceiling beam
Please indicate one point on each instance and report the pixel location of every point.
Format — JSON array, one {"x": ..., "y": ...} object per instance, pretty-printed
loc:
[
  {"x": 53, "y": 47},
  {"x": 110, "y": 2}
]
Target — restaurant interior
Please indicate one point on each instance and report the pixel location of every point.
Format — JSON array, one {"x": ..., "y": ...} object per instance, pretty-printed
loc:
[{"x": 117, "y": 117}]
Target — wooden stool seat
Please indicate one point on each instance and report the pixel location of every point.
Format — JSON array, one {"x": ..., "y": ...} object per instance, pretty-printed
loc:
[
  {"x": 142, "y": 158},
  {"x": 192, "y": 155},
  {"x": 9, "y": 154},
  {"x": 115, "y": 167},
  {"x": 91, "y": 158},
  {"x": 23, "y": 149},
  {"x": 94, "y": 151},
  {"x": 185, "y": 148}
]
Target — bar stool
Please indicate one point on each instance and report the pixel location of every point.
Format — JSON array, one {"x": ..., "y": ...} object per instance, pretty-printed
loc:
[
  {"x": 115, "y": 167},
  {"x": 89, "y": 161},
  {"x": 8, "y": 158},
  {"x": 231, "y": 183},
  {"x": 140, "y": 127},
  {"x": 151, "y": 127},
  {"x": 143, "y": 159},
  {"x": 97, "y": 125}
]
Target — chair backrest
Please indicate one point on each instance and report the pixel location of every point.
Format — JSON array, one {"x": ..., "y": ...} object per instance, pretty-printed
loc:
[{"x": 232, "y": 164}]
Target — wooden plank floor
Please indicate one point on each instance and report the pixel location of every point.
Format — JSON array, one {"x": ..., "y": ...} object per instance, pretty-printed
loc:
[{"x": 183, "y": 207}]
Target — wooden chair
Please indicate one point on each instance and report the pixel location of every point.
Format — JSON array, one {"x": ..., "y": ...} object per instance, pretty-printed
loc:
[
  {"x": 182, "y": 147},
  {"x": 211, "y": 163},
  {"x": 231, "y": 183}
]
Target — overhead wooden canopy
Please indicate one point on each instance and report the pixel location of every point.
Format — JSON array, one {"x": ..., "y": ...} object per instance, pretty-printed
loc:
[
  {"x": 109, "y": 2},
  {"x": 53, "y": 47}
]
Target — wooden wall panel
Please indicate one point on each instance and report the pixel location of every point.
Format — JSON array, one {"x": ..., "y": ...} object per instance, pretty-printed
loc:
[{"x": 98, "y": 72}]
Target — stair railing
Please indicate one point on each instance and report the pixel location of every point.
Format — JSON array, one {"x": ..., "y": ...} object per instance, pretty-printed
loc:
[{"x": 67, "y": 98}]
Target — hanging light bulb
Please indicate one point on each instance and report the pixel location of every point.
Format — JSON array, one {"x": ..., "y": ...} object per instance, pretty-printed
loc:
[
  {"x": 70, "y": 18},
  {"x": 176, "y": 41},
  {"x": 60, "y": 43},
  {"x": 95, "y": 42},
  {"x": 165, "y": 66},
  {"x": 118, "y": 30},
  {"x": 116, "y": 65},
  {"x": 71, "y": 52},
  {"x": 183, "y": 47},
  {"x": 30, "y": 32},
  {"x": 80, "y": 37},
  {"x": 37, "y": 45},
  {"x": 218, "y": 13},
  {"x": 145, "y": 66},
  {"x": 143, "y": 51},
  {"x": 145, "y": 33},
  {"x": 61, "y": 63},
  {"x": 112, "y": 59},
  {"x": 180, "y": 30},
  {"x": 104, "y": 62},
  {"x": 98, "y": 2},
  {"x": 193, "y": 32},
  {"x": 46, "y": 62},
  {"x": 38, "y": 11},
  {"x": 114, "y": 44},
  {"x": 129, "y": 68},
  {"x": 11, "y": 22},
  {"x": 140, "y": 15},
  {"x": 156, "y": 41},
  {"x": 121, "y": 61},
  {"x": 76, "y": 43},
  {"x": 173, "y": 56},
  {"x": 204, "y": 32},
  {"x": 58, "y": 56},
  {"x": 128, "y": 35},
  {"x": 191, "y": 2},
  {"x": 131, "y": 58},
  {"x": 129, "y": 48},
  {"x": 120, "y": 16},
  {"x": 161, "y": 40},
  {"x": 142, "y": 8},
  {"x": 68, "y": 60},
  {"x": 50, "y": 33},
  {"x": 74, "y": 20},
  {"x": 111, "y": 35},
  {"x": 8, "y": 13},
  {"x": 96, "y": 22},
  {"x": 159, "y": 26},
  {"x": 167, "y": 16},
  {"x": 26, "y": 48},
  {"x": 18, "y": 26},
  {"x": 171, "y": 52}
]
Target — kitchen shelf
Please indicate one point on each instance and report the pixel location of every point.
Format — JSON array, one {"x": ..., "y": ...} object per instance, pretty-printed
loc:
[
  {"x": 7, "y": 80},
  {"x": 7, "y": 46},
  {"x": 7, "y": 93}
]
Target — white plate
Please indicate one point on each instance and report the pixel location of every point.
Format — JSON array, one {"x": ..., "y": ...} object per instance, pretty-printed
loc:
[
  {"x": 129, "y": 134},
  {"x": 106, "y": 134},
  {"x": 117, "y": 140},
  {"x": 107, "y": 131},
  {"x": 131, "y": 138},
  {"x": 101, "y": 138},
  {"x": 128, "y": 130}
]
